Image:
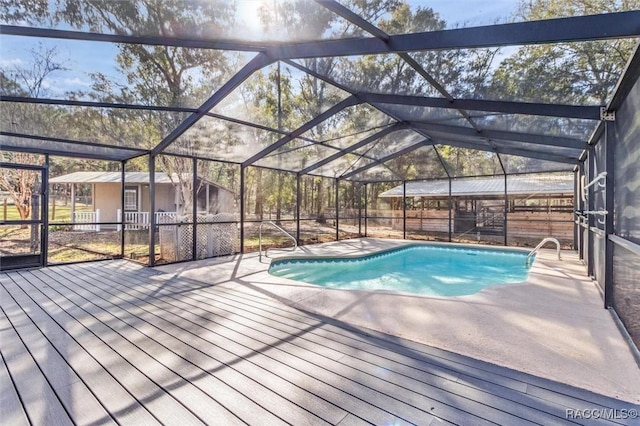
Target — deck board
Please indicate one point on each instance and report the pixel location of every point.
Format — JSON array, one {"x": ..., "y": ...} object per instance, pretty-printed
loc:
[
  {"x": 366, "y": 387},
  {"x": 116, "y": 399},
  {"x": 294, "y": 368},
  {"x": 39, "y": 400},
  {"x": 80, "y": 403},
  {"x": 171, "y": 397},
  {"x": 199, "y": 365},
  {"x": 527, "y": 407},
  {"x": 11, "y": 409},
  {"x": 143, "y": 348},
  {"x": 374, "y": 375}
]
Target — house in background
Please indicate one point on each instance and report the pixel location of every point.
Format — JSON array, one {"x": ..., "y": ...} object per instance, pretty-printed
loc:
[{"x": 106, "y": 198}]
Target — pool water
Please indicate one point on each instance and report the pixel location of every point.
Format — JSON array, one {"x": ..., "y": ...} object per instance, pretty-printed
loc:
[{"x": 422, "y": 269}]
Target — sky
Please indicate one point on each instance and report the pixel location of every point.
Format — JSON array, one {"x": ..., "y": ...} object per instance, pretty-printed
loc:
[
  {"x": 470, "y": 13},
  {"x": 82, "y": 58}
]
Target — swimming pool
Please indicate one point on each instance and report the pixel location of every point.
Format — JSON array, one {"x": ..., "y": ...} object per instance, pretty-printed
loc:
[{"x": 435, "y": 270}]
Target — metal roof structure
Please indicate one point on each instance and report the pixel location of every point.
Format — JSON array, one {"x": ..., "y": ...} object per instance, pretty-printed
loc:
[
  {"x": 536, "y": 184},
  {"x": 410, "y": 119}
]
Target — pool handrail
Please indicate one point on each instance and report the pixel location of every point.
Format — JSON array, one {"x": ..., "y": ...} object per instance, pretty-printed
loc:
[
  {"x": 269, "y": 222},
  {"x": 542, "y": 243}
]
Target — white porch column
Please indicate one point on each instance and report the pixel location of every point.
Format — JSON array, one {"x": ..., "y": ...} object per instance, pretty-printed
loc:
[
  {"x": 73, "y": 202},
  {"x": 207, "y": 207}
]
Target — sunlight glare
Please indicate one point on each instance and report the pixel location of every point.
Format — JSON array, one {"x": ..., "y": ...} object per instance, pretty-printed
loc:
[{"x": 250, "y": 24}]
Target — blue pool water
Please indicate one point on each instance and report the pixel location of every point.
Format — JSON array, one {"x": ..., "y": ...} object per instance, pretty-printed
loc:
[{"x": 421, "y": 269}]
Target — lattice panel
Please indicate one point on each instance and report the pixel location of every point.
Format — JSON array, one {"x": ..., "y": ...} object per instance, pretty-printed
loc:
[
  {"x": 185, "y": 242},
  {"x": 212, "y": 239},
  {"x": 217, "y": 239},
  {"x": 176, "y": 241}
]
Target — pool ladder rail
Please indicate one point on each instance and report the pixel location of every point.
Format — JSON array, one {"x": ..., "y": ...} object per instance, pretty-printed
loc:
[
  {"x": 539, "y": 246},
  {"x": 269, "y": 222}
]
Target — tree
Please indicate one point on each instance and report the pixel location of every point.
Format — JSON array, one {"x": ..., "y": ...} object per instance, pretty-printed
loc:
[
  {"x": 26, "y": 80},
  {"x": 579, "y": 73},
  {"x": 157, "y": 75}
]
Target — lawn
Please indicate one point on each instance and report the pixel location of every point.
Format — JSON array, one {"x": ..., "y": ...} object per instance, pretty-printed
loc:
[
  {"x": 68, "y": 246},
  {"x": 59, "y": 213}
]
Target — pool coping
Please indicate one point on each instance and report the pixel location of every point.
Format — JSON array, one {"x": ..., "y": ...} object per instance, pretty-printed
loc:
[{"x": 391, "y": 250}]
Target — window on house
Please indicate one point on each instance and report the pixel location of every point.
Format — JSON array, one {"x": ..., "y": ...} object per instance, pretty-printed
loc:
[{"x": 131, "y": 199}]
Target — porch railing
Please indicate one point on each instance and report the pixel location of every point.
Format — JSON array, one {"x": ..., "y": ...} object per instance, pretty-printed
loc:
[
  {"x": 91, "y": 218},
  {"x": 136, "y": 221}
]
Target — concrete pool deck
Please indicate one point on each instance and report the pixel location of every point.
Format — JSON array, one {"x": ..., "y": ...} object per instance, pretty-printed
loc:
[{"x": 552, "y": 326}]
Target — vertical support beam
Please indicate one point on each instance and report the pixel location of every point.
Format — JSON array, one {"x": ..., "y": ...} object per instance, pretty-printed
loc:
[
  {"x": 610, "y": 146},
  {"x": 576, "y": 206},
  {"x": 44, "y": 233},
  {"x": 298, "y": 197},
  {"x": 152, "y": 209},
  {"x": 506, "y": 210},
  {"x": 450, "y": 207},
  {"x": 590, "y": 207},
  {"x": 581, "y": 172},
  {"x": 242, "y": 202},
  {"x": 337, "y": 209},
  {"x": 359, "y": 209},
  {"x": 404, "y": 209},
  {"x": 194, "y": 208},
  {"x": 35, "y": 229},
  {"x": 366, "y": 212},
  {"x": 123, "y": 166}
]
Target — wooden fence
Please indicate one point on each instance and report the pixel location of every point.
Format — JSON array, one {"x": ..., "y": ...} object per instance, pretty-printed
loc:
[{"x": 519, "y": 224}]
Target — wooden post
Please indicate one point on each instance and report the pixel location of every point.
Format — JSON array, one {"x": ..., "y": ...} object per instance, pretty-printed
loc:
[{"x": 53, "y": 209}]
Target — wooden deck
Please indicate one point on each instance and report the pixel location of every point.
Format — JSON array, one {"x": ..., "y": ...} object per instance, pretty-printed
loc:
[{"x": 111, "y": 343}]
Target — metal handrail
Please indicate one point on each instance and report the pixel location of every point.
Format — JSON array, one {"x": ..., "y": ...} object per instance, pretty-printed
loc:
[
  {"x": 597, "y": 180},
  {"x": 543, "y": 242},
  {"x": 291, "y": 237}
]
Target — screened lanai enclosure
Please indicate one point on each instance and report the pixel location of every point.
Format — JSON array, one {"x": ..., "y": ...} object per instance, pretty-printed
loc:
[{"x": 195, "y": 122}]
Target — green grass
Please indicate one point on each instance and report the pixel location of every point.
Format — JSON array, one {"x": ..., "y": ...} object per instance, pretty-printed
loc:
[{"x": 62, "y": 213}]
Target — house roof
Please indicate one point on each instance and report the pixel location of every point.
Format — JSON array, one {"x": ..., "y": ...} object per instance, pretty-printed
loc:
[
  {"x": 487, "y": 186},
  {"x": 130, "y": 177}
]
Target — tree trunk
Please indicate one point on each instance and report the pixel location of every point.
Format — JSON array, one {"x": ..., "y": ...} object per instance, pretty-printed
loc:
[{"x": 258, "y": 211}]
